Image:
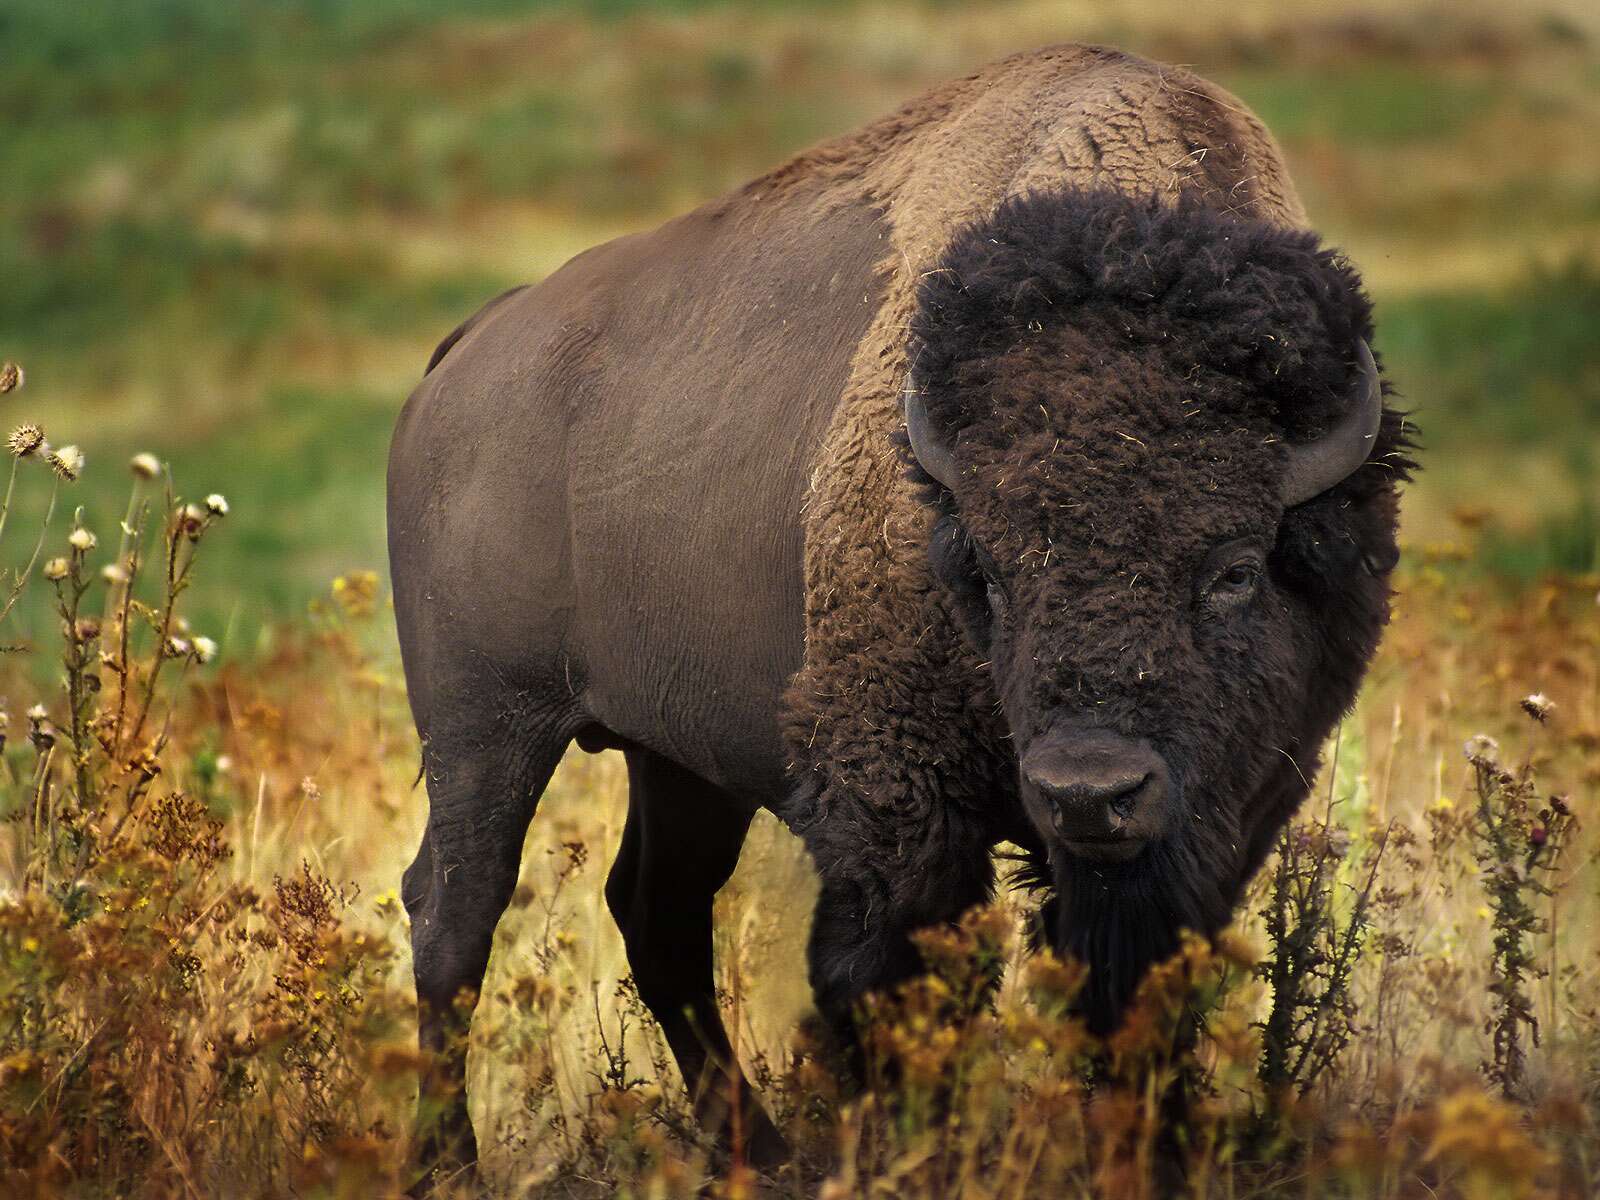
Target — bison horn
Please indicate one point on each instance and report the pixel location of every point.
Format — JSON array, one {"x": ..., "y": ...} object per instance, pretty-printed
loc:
[
  {"x": 932, "y": 455},
  {"x": 1316, "y": 466}
]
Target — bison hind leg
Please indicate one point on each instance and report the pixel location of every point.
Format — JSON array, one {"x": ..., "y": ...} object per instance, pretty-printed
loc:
[{"x": 484, "y": 782}]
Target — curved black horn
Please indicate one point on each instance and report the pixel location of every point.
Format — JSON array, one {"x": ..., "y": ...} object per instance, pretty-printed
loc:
[
  {"x": 1314, "y": 467},
  {"x": 932, "y": 454}
]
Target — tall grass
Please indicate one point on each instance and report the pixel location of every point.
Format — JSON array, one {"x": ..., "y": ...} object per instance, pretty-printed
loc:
[{"x": 203, "y": 967}]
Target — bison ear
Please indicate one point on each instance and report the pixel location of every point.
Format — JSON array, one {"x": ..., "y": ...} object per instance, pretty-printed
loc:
[
  {"x": 932, "y": 454},
  {"x": 1314, "y": 467}
]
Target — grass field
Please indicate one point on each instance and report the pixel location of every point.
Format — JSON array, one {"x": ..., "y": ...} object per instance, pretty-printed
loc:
[{"x": 231, "y": 234}]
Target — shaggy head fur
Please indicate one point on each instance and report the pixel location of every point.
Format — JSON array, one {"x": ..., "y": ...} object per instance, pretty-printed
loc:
[{"x": 1117, "y": 380}]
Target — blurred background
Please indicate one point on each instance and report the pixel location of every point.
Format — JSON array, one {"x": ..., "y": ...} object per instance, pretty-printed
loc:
[{"x": 231, "y": 233}]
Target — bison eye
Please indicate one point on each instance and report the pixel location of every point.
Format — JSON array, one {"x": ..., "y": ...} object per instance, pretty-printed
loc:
[
  {"x": 1232, "y": 582},
  {"x": 1238, "y": 577}
]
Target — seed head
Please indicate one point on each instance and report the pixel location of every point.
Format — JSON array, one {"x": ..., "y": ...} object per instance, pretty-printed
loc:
[
  {"x": 114, "y": 573},
  {"x": 11, "y": 377},
  {"x": 1538, "y": 706},
  {"x": 82, "y": 540},
  {"x": 1482, "y": 750},
  {"x": 25, "y": 440},
  {"x": 204, "y": 649},
  {"x": 145, "y": 465},
  {"x": 41, "y": 737},
  {"x": 193, "y": 519},
  {"x": 56, "y": 569},
  {"x": 217, "y": 504},
  {"x": 176, "y": 647},
  {"x": 67, "y": 462},
  {"x": 86, "y": 629}
]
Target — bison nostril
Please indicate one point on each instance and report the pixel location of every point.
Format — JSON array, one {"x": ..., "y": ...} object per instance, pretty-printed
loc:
[
  {"x": 1093, "y": 808},
  {"x": 1124, "y": 802}
]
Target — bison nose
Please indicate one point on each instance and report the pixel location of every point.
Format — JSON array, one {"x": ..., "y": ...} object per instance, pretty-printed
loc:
[
  {"x": 1101, "y": 793},
  {"x": 1093, "y": 805}
]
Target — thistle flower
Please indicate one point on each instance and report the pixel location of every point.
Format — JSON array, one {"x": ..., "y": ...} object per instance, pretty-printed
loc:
[
  {"x": 82, "y": 540},
  {"x": 204, "y": 649},
  {"x": 11, "y": 377},
  {"x": 1538, "y": 706},
  {"x": 193, "y": 518},
  {"x": 217, "y": 504},
  {"x": 41, "y": 737},
  {"x": 67, "y": 462},
  {"x": 57, "y": 569},
  {"x": 25, "y": 440},
  {"x": 86, "y": 629},
  {"x": 145, "y": 465}
]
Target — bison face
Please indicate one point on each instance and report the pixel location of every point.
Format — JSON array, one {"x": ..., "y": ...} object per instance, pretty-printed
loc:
[
  {"x": 1165, "y": 489},
  {"x": 1121, "y": 578}
]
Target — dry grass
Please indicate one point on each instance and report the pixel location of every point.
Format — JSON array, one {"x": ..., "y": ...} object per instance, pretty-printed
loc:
[{"x": 203, "y": 976}]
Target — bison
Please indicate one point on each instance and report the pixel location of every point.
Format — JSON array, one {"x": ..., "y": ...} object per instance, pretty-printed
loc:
[{"x": 1014, "y": 468}]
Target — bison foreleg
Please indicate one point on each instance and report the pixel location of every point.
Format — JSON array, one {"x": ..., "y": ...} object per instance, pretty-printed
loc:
[{"x": 877, "y": 890}]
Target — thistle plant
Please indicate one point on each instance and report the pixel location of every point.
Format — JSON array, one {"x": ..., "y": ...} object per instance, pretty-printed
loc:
[
  {"x": 115, "y": 658},
  {"x": 1315, "y": 942},
  {"x": 1517, "y": 843}
]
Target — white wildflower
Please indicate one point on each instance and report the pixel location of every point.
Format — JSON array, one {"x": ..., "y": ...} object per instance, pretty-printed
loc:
[
  {"x": 1538, "y": 706},
  {"x": 67, "y": 462}
]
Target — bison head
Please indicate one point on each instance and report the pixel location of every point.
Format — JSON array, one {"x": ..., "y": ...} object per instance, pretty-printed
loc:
[{"x": 1166, "y": 495}]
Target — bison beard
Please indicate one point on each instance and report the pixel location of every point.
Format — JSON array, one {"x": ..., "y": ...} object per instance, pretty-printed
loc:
[{"x": 1122, "y": 919}]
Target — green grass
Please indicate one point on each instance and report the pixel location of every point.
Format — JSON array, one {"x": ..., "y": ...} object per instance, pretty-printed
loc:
[
  {"x": 1365, "y": 102},
  {"x": 230, "y": 232},
  {"x": 1512, "y": 367},
  {"x": 1566, "y": 542},
  {"x": 303, "y": 475}
]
